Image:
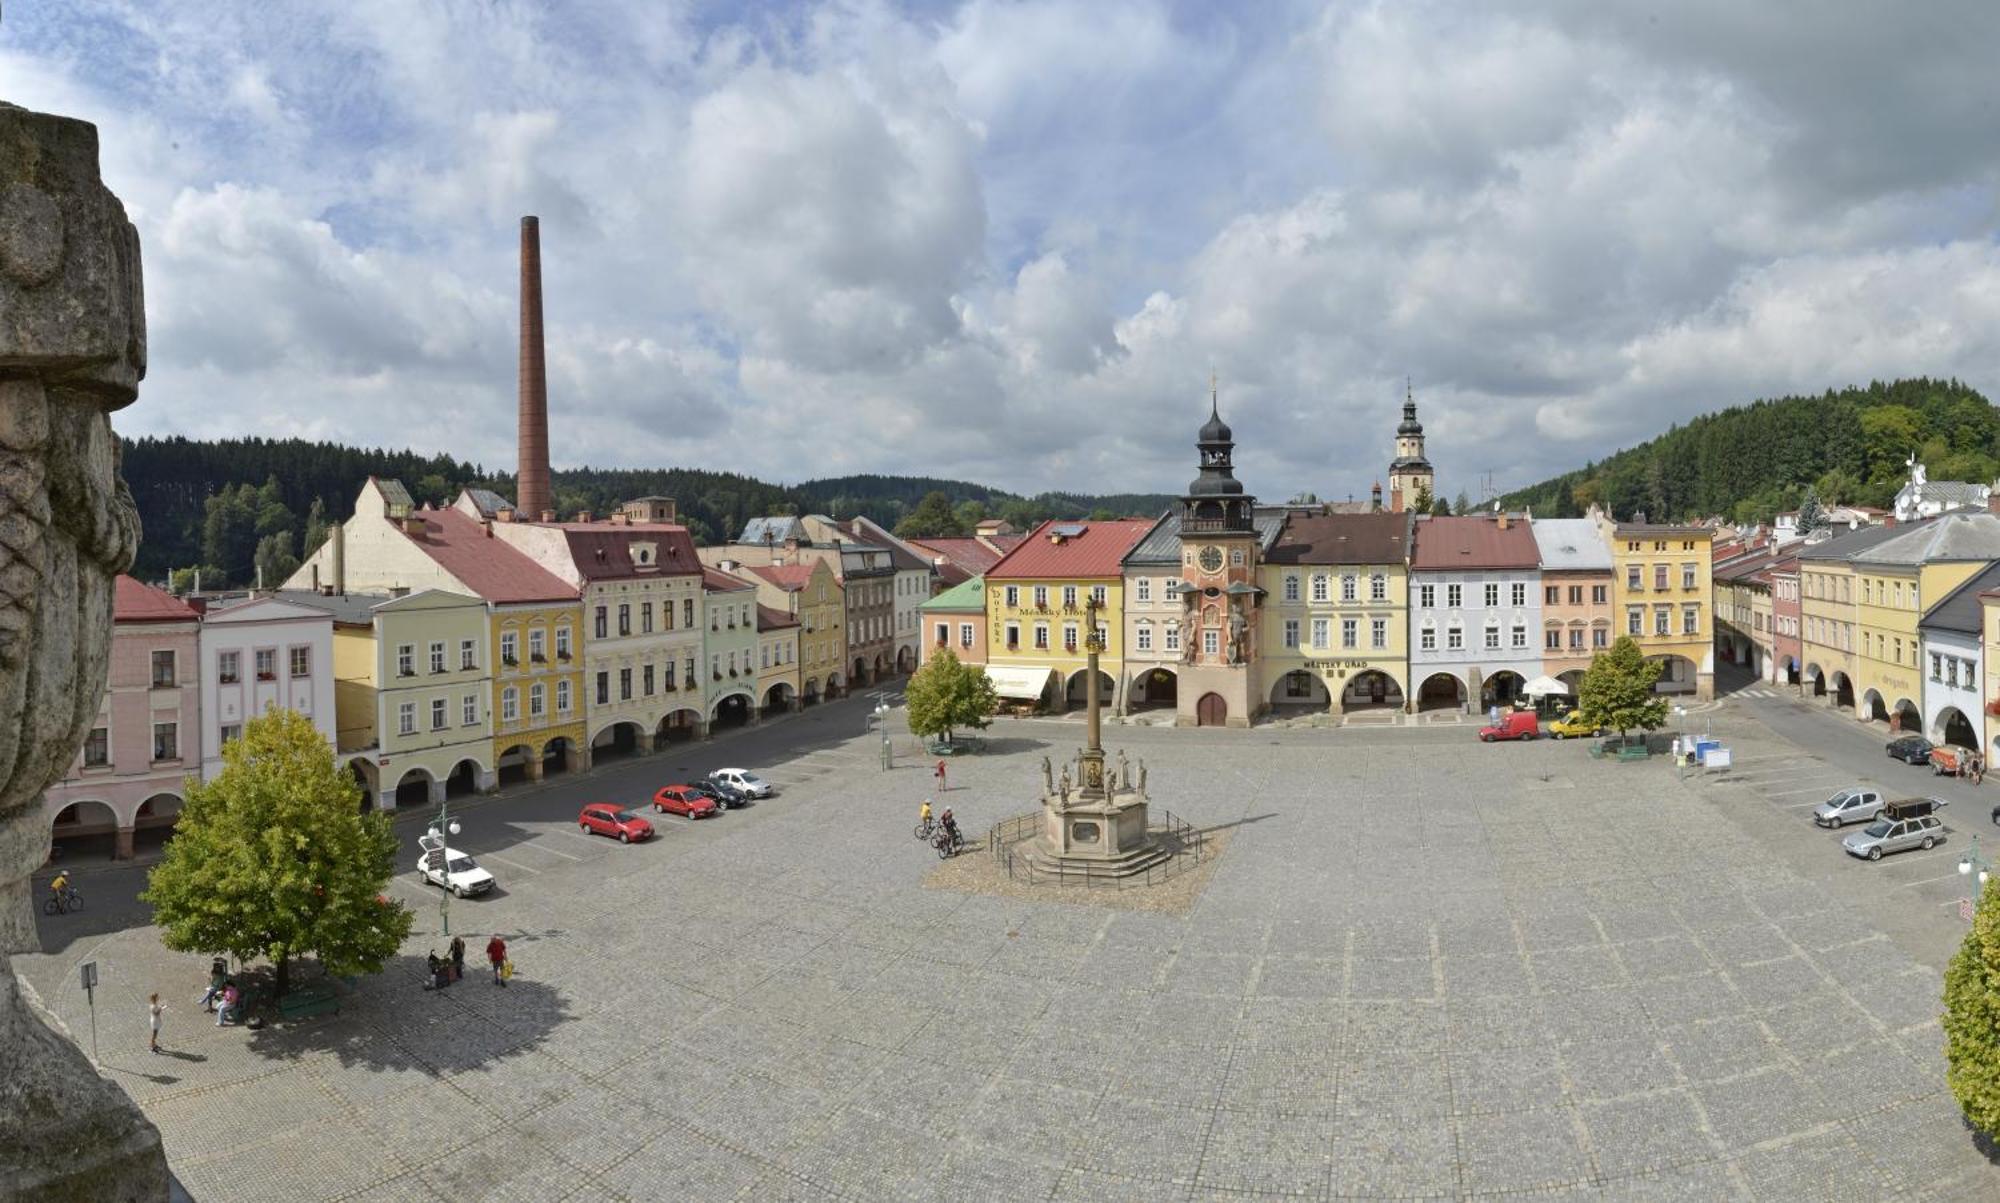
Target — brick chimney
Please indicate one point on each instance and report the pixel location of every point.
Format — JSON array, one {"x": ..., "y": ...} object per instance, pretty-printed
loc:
[{"x": 531, "y": 483}]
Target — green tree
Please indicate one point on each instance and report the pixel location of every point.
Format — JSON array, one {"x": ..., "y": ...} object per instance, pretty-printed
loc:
[
  {"x": 945, "y": 694},
  {"x": 970, "y": 514},
  {"x": 274, "y": 560},
  {"x": 1461, "y": 504},
  {"x": 229, "y": 531},
  {"x": 273, "y": 858},
  {"x": 181, "y": 580},
  {"x": 1423, "y": 502},
  {"x": 1811, "y": 515},
  {"x": 1972, "y": 1018},
  {"x": 1836, "y": 487},
  {"x": 315, "y": 528},
  {"x": 932, "y": 518},
  {"x": 1617, "y": 689},
  {"x": 1890, "y": 433}
]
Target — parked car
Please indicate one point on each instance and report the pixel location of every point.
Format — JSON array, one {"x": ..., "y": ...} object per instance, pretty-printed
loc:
[
  {"x": 720, "y": 794},
  {"x": 686, "y": 801},
  {"x": 614, "y": 821},
  {"x": 1910, "y": 749},
  {"x": 1515, "y": 724},
  {"x": 743, "y": 780},
  {"x": 460, "y": 873},
  {"x": 1574, "y": 726},
  {"x": 1894, "y": 835},
  {"x": 1856, "y": 804}
]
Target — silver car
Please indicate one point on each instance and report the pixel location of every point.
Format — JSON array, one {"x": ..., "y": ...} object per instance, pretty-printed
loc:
[
  {"x": 1857, "y": 804},
  {"x": 1894, "y": 835}
]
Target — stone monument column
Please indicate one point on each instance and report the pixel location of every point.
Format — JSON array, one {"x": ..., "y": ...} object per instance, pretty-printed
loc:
[{"x": 72, "y": 350}]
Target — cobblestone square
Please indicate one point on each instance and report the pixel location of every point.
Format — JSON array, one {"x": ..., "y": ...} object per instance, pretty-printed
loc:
[{"x": 1418, "y": 970}]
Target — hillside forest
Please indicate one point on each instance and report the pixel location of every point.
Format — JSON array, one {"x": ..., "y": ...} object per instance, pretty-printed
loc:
[
  {"x": 1748, "y": 462},
  {"x": 238, "y": 508}
]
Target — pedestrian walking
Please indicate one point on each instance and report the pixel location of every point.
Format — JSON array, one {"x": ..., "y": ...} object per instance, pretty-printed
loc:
[
  {"x": 457, "y": 958},
  {"x": 940, "y": 777},
  {"x": 154, "y": 1009},
  {"x": 496, "y": 952}
]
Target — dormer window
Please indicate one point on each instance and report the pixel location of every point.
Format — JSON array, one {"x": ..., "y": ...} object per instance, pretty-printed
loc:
[{"x": 646, "y": 555}]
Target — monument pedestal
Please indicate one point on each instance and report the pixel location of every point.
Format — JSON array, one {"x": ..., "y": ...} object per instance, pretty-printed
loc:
[{"x": 1106, "y": 836}]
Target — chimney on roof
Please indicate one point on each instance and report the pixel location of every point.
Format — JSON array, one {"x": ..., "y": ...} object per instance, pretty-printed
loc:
[
  {"x": 726, "y": 565},
  {"x": 548, "y": 515},
  {"x": 504, "y": 514},
  {"x": 621, "y": 518},
  {"x": 584, "y": 516},
  {"x": 336, "y": 537},
  {"x": 532, "y": 473},
  {"x": 1375, "y": 497},
  {"x": 1500, "y": 516},
  {"x": 486, "y": 525}
]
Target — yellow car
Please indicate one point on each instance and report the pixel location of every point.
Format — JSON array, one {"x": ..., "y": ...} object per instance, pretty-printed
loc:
[{"x": 1574, "y": 726}]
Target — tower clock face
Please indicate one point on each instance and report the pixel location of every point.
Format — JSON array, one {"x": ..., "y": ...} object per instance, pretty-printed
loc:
[{"x": 1211, "y": 559}]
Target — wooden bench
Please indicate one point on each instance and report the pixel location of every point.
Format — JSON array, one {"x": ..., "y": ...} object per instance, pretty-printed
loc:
[{"x": 301, "y": 1003}]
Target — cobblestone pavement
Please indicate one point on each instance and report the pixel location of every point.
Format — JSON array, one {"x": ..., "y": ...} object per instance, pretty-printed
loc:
[{"x": 1424, "y": 968}]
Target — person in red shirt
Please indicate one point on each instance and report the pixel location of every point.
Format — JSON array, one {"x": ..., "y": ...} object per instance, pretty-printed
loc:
[
  {"x": 496, "y": 952},
  {"x": 940, "y": 777}
]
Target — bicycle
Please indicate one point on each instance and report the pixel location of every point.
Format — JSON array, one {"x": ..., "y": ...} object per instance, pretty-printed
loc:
[
  {"x": 947, "y": 842},
  {"x": 925, "y": 829},
  {"x": 62, "y": 903}
]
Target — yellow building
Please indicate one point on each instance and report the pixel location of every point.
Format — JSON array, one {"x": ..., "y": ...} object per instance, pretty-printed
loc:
[
  {"x": 812, "y": 594},
  {"x": 1336, "y": 612},
  {"x": 412, "y": 692},
  {"x": 538, "y": 687},
  {"x": 1662, "y": 596},
  {"x": 1989, "y": 655},
  {"x": 1037, "y": 610},
  {"x": 1829, "y": 627},
  {"x": 779, "y": 682},
  {"x": 1894, "y": 579}
]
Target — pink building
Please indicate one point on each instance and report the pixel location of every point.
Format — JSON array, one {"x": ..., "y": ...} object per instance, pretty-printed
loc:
[{"x": 128, "y": 777}]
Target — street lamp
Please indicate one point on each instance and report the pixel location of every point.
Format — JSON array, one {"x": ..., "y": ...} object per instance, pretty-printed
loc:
[
  {"x": 1972, "y": 861},
  {"x": 882, "y": 718},
  {"x": 446, "y": 825}
]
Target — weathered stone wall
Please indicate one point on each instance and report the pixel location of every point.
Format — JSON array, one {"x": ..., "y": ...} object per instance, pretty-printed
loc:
[{"x": 72, "y": 350}]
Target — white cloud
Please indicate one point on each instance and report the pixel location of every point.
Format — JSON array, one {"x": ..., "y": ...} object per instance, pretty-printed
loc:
[{"x": 1010, "y": 241}]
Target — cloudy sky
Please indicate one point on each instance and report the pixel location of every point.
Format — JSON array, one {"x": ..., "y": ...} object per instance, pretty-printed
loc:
[{"x": 1008, "y": 242}]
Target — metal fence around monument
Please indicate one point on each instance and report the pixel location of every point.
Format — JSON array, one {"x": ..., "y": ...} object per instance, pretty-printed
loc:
[{"x": 1004, "y": 840}]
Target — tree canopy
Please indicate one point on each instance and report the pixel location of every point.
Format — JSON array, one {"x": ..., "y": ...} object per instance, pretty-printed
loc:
[
  {"x": 1972, "y": 1018},
  {"x": 1617, "y": 689},
  {"x": 946, "y": 694},
  {"x": 272, "y": 858},
  {"x": 1750, "y": 461}
]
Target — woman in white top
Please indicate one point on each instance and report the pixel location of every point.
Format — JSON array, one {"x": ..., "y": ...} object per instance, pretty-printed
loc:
[{"x": 153, "y": 1009}]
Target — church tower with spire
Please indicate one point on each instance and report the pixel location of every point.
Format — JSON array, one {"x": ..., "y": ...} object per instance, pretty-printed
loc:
[
  {"x": 1409, "y": 472},
  {"x": 1218, "y": 586}
]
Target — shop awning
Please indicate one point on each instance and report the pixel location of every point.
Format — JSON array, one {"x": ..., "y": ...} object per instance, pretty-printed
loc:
[
  {"x": 1544, "y": 687},
  {"x": 1015, "y": 682}
]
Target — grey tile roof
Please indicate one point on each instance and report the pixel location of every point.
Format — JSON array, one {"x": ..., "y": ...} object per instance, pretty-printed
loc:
[
  {"x": 1957, "y": 536},
  {"x": 1954, "y": 492},
  {"x": 1960, "y": 610},
  {"x": 355, "y": 608},
  {"x": 487, "y": 502},
  {"x": 1850, "y": 543},
  {"x": 1162, "y": 544},
  {"x": 1571, "y": 544},
  {"x": 779, "y": 529}
]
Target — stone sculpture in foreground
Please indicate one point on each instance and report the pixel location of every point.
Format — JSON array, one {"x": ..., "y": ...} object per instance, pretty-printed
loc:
[{"x": 72, "y": 350}]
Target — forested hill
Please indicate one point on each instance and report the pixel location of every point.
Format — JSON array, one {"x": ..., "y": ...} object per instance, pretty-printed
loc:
[
  {"x": 1750, "y": 461},
  {"x": 231, "y": 505}
]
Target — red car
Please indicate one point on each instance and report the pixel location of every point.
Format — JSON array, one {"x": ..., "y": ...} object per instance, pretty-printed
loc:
[
  {"x": 606, "y": 819},
  {"x": 1514, "y": 724},
  {"x": 684, "y": 800}
]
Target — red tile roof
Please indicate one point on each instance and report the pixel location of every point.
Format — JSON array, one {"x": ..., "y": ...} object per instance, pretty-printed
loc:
[
  {"x": 770, "y": 620},
  {"x": 134, "y": 601},
  {"x": 717, "y": 581},
  {"x": 488, "y": 565},
  {"x": 968, "y": 554},
  {"x": 603, "y": 550},
  {"x": 1474, "y": 541},
  {"x": 1096, "y": 550},
  {"x": 789, "y": 577}
]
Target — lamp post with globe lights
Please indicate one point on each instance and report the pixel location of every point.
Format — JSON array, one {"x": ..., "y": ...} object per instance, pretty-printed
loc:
[
  {"x": 1977, "y": 868},
  {"x": 441, "y": 860}
]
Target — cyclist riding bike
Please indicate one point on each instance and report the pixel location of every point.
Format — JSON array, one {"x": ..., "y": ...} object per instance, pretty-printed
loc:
[
  {"x": 951, "y": 825},
  {"x": 60, "y": 884},
  {"x": 924, "y": 813}
]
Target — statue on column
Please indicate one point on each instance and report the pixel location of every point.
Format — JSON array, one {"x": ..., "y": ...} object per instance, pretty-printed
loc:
[
  {"x": 1124, "y": 769},
  {"x": 1048, "y": 777},
  {"x": 1142, "y": 774},
  {"x": 72, "y": 350}
]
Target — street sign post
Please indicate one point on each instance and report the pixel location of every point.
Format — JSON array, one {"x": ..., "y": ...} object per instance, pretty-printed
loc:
[{"x": 87, "y": 972}]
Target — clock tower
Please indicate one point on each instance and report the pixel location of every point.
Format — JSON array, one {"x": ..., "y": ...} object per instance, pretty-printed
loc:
[{"x": 1219, "y": 547}]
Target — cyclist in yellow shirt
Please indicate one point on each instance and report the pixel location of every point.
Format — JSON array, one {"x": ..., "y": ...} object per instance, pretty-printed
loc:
[
  {"x": 60, "y": 884},
  {"x": 924, "y": 814}
]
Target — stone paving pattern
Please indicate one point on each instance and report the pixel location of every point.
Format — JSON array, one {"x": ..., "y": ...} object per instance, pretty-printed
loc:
[{"x": 1425, "y": 968}]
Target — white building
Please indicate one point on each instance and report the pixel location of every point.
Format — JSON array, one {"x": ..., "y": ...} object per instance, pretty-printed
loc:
[
  {"x": 1475, "y": 610},
  {"x": 257, "y": 655},
  {"x": 1953, "y": 663},
  {"x": 916, "y": 578},
  {"x": 1921, "y": 497}
]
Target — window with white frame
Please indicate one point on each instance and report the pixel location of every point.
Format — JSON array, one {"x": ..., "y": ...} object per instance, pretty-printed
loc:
[
  {"x": 1100, "y": 595},
  {"x": 231, "y": 732},
  {"x": 1552, "y": 639},
  {"x": 1013, "y": 596},
  {"x": 562, "y": 642},
  {"x": 538, "y": 643},
  {"x": 440, "y": 714},
  {"x": 1319, "y": 632},
  {"x": 1173, "y": 637},
  {"x": 1519, "y": 636},
  {"x": 1142, "y": 589},
  {"x": 1211, "y": 642},
  {"x": 1013, "y": 630},
  {"x": 1142, "y": 637},
  {"x": 437, "y": 655},
  {"x": 1378, "y": 633},
  {"x": 229, "y": 667},
  {"x": 301, "y": 660},
  {"x": 1291, "y": 587},
  {"x": 1041, "y": 597},
  {"x": 510, "y": 704},
  {"x": 1454, "y": 596},
  {"x": 1427, "y": 639},
  {"x": 1492, "y": 595},
  {"x": 965, "y": 634},
  {"x": 1347, "y": 586},
  {"x": 1454, "y": 638},
  {"x": 1690, "y": 620},
  {"x": 406, "y": 718},
  {"x": 1069, "y": 636},
  {"x": 1427, "y": 596},
  {"x": 1069, "y": 597},
  {"x": 943, "y": 631},
  {"x": 166, "y": 741},
  {"x": 1291, "y": 632},
  {"x": 267, "y": 663},
  {"x": 1492, "y": 637},
  {"x": 1349, "y": 632},
  {"x": 468, "y": 655},
  {"x": 1319, "y": 587},
  {"x": 562, "y": 697},
  {"x": 1236, "y": 557},
  {"x": 1378, "y": 586},
  {"x": 1635, "y": 620},
  {"x": 1041, "y": 636},
  {"x": 97, "y": 748},
  {"x": 163, "y": 669},
  {"x": 1662, "y": 621},
  {"x": 1520, "y": 594},
  {"x": 1173, "y": 589},
  {"x": 468, "y": 710},
  {"x": 509, "y": 648}
]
